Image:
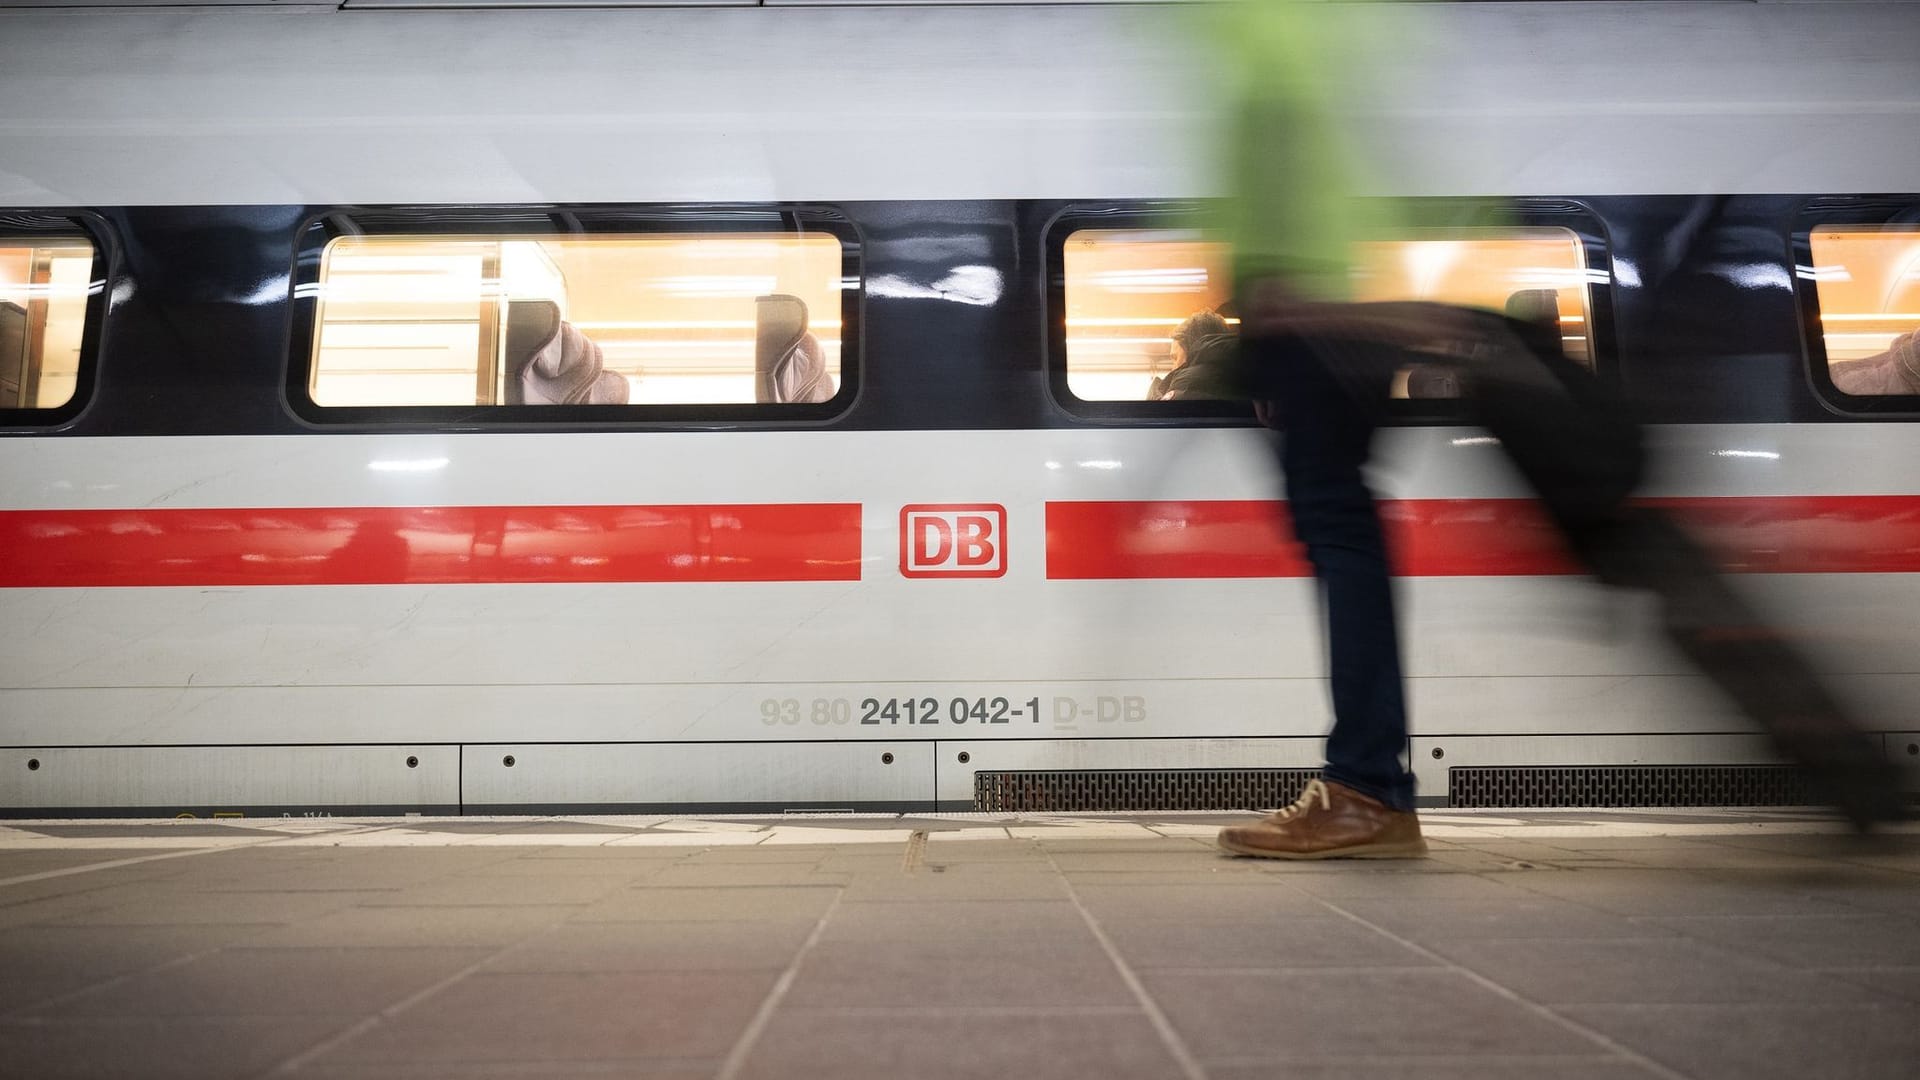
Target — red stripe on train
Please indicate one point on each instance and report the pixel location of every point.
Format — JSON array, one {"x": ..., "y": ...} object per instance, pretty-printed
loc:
[
  {"x": 430, "y": 545},
  {"x": 1472, "y": 537}
]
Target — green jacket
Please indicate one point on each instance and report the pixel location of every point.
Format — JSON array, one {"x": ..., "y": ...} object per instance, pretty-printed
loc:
[{"x": 1291, "y": 169}]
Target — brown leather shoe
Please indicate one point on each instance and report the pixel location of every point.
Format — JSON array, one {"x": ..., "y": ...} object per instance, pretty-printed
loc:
[{"x": 1330, "y": 821}]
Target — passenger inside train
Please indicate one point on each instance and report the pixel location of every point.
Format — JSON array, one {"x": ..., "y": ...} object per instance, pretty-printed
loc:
[{"x": 1200, "y": 356}]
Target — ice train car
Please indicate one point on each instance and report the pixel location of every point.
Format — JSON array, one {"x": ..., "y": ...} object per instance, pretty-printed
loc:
[{"x": 411, "y": 408}]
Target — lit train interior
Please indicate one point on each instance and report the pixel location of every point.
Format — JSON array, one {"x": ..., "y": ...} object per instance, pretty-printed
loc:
[
  {"x": 43, "y": 306},
  {"x": 1869, "y": 285},
  {"x": 425, "y": 321},
  {"x": 1128, "y": 289},
  {"x": 431, "y": 321}
]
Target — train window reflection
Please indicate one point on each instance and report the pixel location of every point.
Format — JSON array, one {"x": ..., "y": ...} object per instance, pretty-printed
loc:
[
  {"x": 44, "y": 284},
  {"x": 1867, "y": 279},
  {"x": 632, "y": 319},
  {"x": 1131, "y": 292}
]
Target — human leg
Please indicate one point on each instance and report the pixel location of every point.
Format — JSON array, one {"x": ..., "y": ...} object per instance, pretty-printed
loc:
[
  {"x": 1327, "y": 423},
  {"x": 1754, "y": 665},
  {"x": 1583, "y": 458}
]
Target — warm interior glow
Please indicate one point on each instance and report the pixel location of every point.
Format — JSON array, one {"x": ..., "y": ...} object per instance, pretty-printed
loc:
[
  {"x": 1127, "y": 290},
  {"x": 46, "y": 286},
  {"x": 411, "y": 320},
  {"x": 1868, "y": 282}
]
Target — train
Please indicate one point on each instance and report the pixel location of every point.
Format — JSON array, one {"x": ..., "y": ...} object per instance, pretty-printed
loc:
[{"x": 411, "y": 408}]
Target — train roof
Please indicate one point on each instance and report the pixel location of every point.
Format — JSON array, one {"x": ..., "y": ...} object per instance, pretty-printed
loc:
[{"x": 362, "y": 103}]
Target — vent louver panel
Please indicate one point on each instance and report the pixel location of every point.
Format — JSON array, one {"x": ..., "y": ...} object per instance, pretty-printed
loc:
[
  {"x": 1622, "y": 785},
  {"x": 1144, "y": 789}
]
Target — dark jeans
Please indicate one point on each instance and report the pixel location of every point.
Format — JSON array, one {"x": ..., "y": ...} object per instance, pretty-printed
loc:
[
  {"x": 1328, "y": 430},
  {"x": 1578, "y": 449}
]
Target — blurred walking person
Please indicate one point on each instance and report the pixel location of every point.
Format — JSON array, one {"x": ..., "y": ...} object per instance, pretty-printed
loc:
[{"x": 1320, "y": 370}]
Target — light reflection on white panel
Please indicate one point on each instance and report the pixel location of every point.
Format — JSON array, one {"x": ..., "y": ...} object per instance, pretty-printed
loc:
[
  {"x": 230, "y": 776},
  {"x": 796, "y": 775}
]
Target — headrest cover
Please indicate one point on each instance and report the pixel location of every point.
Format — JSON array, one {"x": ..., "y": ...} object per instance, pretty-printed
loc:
[{"x": 551, "y": 363}]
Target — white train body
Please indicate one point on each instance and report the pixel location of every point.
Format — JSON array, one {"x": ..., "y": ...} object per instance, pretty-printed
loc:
[{"x": 474, "y": 674}]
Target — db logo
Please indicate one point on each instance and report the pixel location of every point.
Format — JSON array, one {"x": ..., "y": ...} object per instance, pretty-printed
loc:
[{"x": 953, "y": 540}]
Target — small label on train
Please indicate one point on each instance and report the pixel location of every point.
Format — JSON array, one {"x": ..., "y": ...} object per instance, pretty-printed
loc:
[
  {"x": 953, "y": 540},
  {"x": 1059, "y": 713}
]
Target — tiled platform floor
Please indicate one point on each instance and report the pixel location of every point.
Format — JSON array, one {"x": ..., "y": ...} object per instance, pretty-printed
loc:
[{"x": 1583, "y": 946}]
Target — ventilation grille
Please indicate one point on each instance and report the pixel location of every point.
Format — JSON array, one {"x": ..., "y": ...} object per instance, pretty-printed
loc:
[
  {"x": 1144, "y": 789},
  {"x": 1609, "y": 785}
]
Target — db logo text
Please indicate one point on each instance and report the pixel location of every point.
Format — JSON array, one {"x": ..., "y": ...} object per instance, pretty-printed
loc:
[{"x": 953, "y": 540}]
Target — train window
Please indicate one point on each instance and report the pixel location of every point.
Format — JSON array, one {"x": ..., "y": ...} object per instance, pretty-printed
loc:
[
  {"x": 44, "y": 285},
  {"x": 658, "y": 319},
  {"x": 1867, "y": 280},
  {"x": 1131, "y": 292}
]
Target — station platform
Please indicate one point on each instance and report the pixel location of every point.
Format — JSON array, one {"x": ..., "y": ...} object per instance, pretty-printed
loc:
[{"x": 1580, "y": 945}]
